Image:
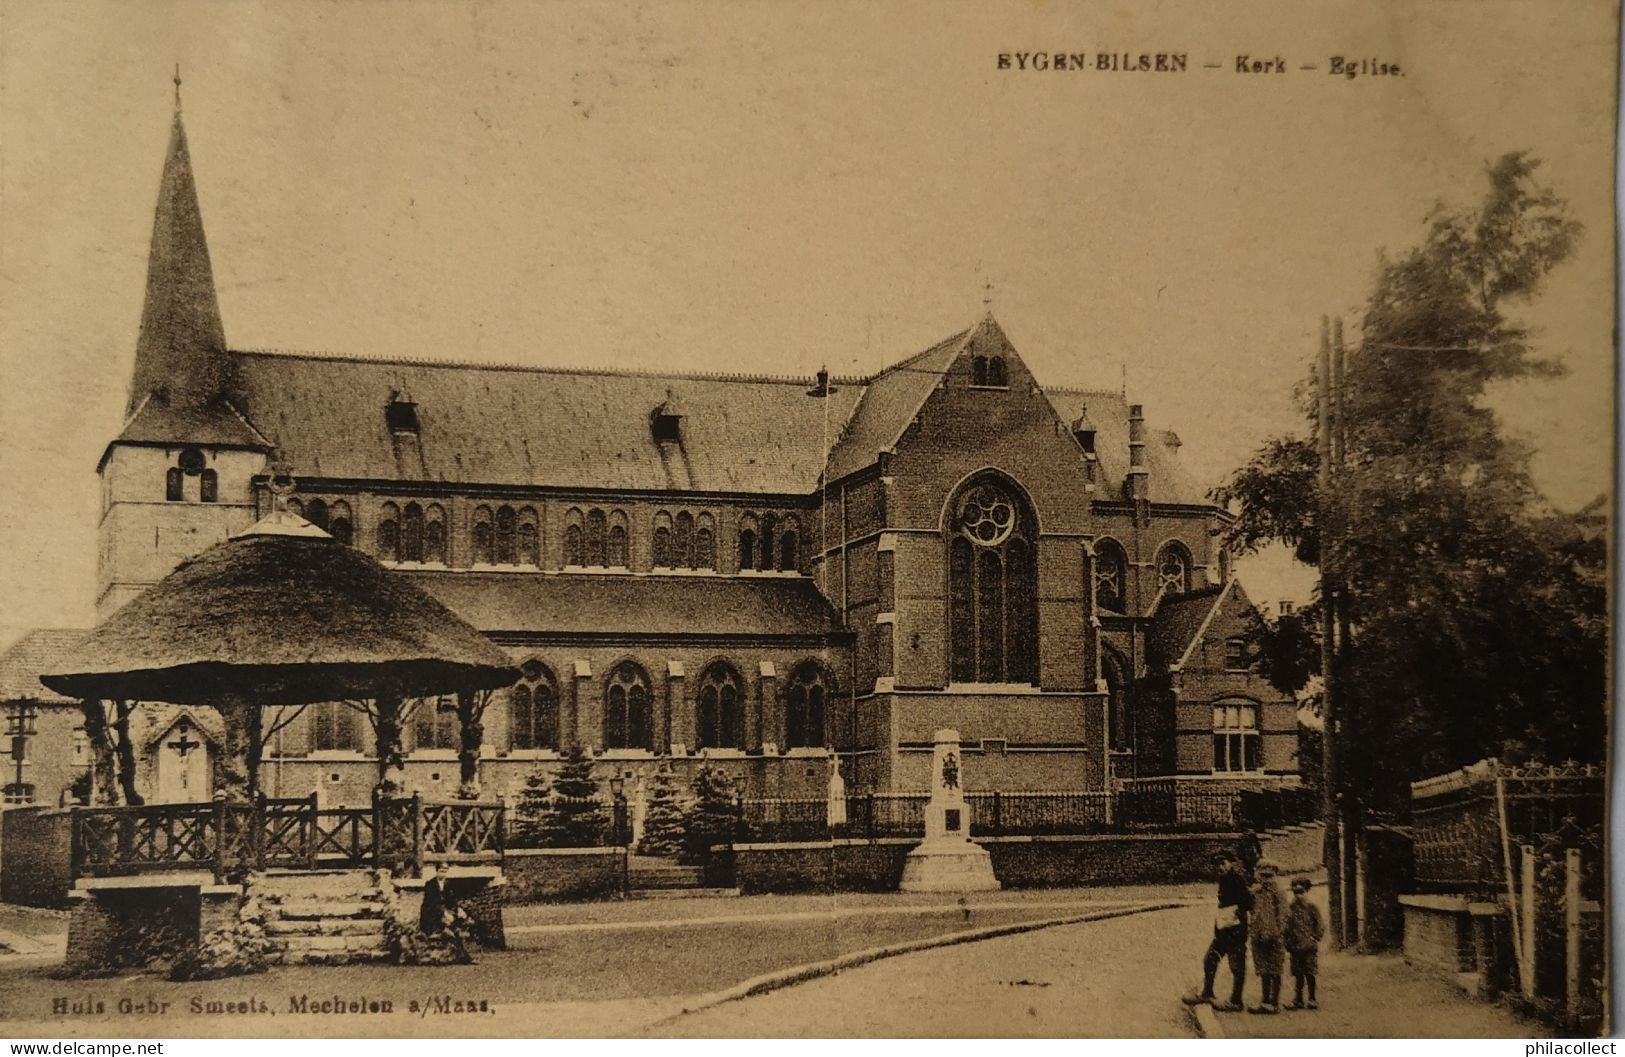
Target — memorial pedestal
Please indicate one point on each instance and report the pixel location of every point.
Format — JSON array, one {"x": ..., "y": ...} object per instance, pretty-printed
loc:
[{"x": 947, "y": 861}]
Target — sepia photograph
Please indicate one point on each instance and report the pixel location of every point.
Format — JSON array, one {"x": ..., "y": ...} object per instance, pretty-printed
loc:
[{"x": 729, "y": 519}]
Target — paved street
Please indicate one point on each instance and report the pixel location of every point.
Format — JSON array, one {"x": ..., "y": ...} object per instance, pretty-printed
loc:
[{"x": 633, "y": 968}]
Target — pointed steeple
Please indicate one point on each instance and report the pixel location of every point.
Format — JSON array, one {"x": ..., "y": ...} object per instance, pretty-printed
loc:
[{"x": 180, "y": 357}]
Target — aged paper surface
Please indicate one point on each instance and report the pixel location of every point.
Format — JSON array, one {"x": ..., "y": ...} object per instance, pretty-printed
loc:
[{"x": 904, "y": 453}]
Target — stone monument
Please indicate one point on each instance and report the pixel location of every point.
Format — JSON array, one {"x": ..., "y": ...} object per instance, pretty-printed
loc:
[{"x": 947, "y": 861}]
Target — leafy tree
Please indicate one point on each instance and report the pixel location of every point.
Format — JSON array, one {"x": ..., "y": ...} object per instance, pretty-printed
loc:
[
  {"x": 715, "y": 819},
  {"x": 1475, "y": 615},
  {"x": 666, "y": 817},
  {"x": 561, "y": 809}
]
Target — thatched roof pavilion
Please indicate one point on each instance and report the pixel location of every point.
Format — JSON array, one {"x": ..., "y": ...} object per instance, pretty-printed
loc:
[{"x": 282, "y": 614}]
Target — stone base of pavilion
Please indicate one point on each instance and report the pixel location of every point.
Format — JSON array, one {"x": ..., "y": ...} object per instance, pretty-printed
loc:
[{"x": 332, "y": 917}]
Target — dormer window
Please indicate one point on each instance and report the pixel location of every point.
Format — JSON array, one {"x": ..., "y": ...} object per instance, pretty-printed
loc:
[
  {"x": 666, "y": 421},
  {"x": 401, "y": 413}
]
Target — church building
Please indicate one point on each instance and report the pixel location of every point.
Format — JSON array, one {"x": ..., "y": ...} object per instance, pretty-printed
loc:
[{"x": 774, "y": 575}]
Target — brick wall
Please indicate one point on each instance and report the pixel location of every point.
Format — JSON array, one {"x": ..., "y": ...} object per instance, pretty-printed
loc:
[
  {"x": 35, "y": 856},
  {"x": 543, "y": 875},
  {"x": 1018, "y": 862},
  {"x": 1438, "y": 933}
]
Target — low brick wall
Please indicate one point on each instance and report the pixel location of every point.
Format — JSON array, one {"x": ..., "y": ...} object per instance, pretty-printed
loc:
[
  {"x": 541, "y": 875},
  {"x": 1018, "y": 862},
  {"x": 1438, "y": 933},
  {"x": 35, "y": 856}
]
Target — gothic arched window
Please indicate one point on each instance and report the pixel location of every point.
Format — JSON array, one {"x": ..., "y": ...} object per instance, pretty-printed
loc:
[
  {"x": 705, "y": 543},
  {"x": 575, "y": 548},
  {"x": 1111, "y": 576},
  {"x": 597, "y": 543},
  {"x": 806, "y": 697},
  {"x": 529, "y": 537},
  {"x": 995, "y": 371},
  {"x": 389, "y": 533},
  {"x": 208, "y": 485},
  {"x": 978, "y": 370},
  {"x": 483, "y": 538},
  {"x": 992, "y": 586},
  {"x": 619, "y": 556},
  {"x": 533, "y": 709},
  {"x": 340, "y": 523},
  {"x": 626, "y": 708},
  {"x": 412, "y": 533},
  {"x": 764, "y": 557},
  {"x": 1119, "y": 732},
  {"x": 720, "y": 712},
  {"x": 506, "y": 547},
  {"x": 316, "y": 513},
  {"x": 1174, "y": 568},
  {"x": 788, "y": 557},
  {"x": 174, "y": 484},
  {"x": 682, "y": 542},
  {"x": 434, "y": 534}
]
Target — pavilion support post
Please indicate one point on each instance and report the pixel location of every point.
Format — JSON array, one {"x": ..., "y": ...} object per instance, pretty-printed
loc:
[
  {"x": 235, "y": 768},
  {"x": 471, "y": 724},
  {"x": 126, "y": 752},
  {"x": 104, "y": 788},
  {"x": 391, "y": 755},
  {"x": 255, "y": 735}
]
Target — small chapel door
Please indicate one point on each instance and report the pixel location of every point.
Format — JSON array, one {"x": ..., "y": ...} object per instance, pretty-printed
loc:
[{"x": 183, "y": 765}]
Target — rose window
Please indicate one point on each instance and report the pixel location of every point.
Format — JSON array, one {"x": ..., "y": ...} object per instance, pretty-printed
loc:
[{"x": 986, "y": 515}]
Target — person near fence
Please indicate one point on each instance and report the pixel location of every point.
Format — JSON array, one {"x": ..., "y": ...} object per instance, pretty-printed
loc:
[
  {"x": 1266, "y": 927},
  {"x": 1249, "y": 849},
  {"x": 1229, "y": 935},
  {"x": 1302, "y": 936},
  {"x": 441, "y": 920}
]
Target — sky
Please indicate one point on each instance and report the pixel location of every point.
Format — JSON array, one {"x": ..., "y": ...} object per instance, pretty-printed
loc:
[{"x": 771, "y": 187}]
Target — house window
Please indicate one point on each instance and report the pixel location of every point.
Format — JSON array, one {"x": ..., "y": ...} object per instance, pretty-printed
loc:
[
  {"x": 1111, "y": 576},
  {"x": 340, "y": 523},
  {"x": 389, "y": 533},
  {"x": 334, "y": 728},
  {"x": 626, "y": 708},
  {"x": 805, "y": 698},
  {"x": 208, "y": 486},
  {"x": 747, "y": 549},
  {"x": 719, "y": 715},
  {"x": 1174, "y": 569},
  {"x": 1236, "y": 741},
  {"x": 435, "y": 724},
  {"x": 434, "y": 534},
  {"x": 992, "y": 611},
  {"x": 533, "y": 709},
  {"x": 18, "y": 793},
  {"x": 1235, "y": 655}
]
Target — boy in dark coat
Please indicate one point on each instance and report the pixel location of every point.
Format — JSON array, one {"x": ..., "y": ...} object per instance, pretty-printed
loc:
[
  {"x": 1302, "y": 936},
  {"x": 1229, "y": 935},
  {"x": 1266, "y": 927}
]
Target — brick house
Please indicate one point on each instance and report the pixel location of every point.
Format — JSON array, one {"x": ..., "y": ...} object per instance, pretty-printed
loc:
[{"x": 770, "y": 574}]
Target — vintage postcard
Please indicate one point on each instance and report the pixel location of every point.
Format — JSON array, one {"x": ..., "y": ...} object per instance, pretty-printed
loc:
[{"x": 730, "y": 519}]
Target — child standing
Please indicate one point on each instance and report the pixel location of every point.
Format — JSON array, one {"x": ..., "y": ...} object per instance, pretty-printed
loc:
[
  {"x": 1303, "y": 932},
  {"x": 1267, "y": 925},
  {"x": 1229, "y": 935}
]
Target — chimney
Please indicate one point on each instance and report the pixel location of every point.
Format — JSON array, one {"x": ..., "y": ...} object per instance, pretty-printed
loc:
[{"x": 1139, "y": 477}]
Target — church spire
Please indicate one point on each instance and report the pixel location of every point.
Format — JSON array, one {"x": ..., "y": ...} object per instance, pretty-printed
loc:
[{"x": 180, "y": 357}]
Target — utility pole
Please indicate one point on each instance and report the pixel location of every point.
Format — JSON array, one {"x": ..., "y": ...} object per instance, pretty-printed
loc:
[{"x": 1332, "y": 846}]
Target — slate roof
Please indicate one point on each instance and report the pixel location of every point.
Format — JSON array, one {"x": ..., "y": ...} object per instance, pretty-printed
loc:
[
  {"x": 890, "y": 401},
  {"x": 37, "y": 651},
  {"x": 1170, "y": 481},
  {"x": 633, "y": 605},
  {"x": 1176, "y": 622},
  {"x": 218, "y": 424},
  {"x": 526, "y": 426}
]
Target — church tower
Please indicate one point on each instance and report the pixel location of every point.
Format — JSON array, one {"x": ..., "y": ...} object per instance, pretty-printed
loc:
[{"x": 177, "y": 478}]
